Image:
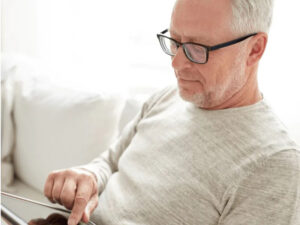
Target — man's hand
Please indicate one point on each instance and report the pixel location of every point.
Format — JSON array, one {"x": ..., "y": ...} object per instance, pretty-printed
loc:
[{"x": 76, "y": 189}]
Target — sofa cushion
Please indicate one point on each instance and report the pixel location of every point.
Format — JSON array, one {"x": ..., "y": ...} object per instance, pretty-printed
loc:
[
  {"x": 7, "y": 132},
  {"x": 58, "y": 128}
]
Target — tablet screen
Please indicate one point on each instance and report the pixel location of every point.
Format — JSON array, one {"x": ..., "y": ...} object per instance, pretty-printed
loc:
[{"x": 25, "y": 212}]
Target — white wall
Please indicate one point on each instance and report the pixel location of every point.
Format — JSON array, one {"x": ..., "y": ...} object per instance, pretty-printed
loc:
[
  {"x": 19, "y": 27},
  {"x": 95, "y": 44},
  {"x": 279, "y": 72}
]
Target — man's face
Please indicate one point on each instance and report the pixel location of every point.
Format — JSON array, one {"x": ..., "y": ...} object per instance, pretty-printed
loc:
[{"x": 207, "y": 22}]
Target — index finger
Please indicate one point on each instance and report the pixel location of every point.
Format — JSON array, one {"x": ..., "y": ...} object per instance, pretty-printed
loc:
[{"x": 82, "y": 197}]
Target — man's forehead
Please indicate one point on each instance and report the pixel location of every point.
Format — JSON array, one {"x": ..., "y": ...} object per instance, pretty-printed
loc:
[{"x": 201, "y": 19}]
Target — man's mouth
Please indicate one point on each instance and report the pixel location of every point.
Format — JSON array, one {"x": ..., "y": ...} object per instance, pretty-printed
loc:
[{"x": 181, "y": 80}]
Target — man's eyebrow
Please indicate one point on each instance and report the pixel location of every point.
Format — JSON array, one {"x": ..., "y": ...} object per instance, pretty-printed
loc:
[
  {"x": 196, "y": 39},
  {"x": 172, "y": 32}
]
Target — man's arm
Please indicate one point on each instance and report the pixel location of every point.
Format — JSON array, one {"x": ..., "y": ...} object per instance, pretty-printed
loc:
[
  {"x": 107, "y": 163},
  {"x": 78, "y": 188},
  {"x": 268, "y": 196}
]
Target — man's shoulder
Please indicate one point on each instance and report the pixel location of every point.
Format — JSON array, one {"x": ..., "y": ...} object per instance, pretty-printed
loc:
[
  {"x": 288, "y": 159},
  {"x": 281, "y": 163},
  {"x": 161, "y": 95},
  {"x": 285, "y": 159}
]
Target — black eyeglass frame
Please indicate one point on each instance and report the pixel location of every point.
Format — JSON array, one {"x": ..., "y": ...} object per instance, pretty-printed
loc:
[{"x": 208, "y": 48}]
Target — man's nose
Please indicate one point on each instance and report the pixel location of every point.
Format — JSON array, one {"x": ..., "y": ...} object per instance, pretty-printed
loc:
[{"x": 180, "y": 61}]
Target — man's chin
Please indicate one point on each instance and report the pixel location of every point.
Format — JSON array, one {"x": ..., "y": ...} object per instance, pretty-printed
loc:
[{"x": 198, "y": 99}]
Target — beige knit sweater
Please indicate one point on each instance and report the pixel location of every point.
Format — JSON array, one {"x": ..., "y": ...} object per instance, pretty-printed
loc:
[{"x": 178, "y": 164}]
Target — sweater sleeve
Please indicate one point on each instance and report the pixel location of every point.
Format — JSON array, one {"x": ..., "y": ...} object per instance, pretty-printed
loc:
[
  {"x": 107, "y": 163},
  {"x": 270, "y": 195}
]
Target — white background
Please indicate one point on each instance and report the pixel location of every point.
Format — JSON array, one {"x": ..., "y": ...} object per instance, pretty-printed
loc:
[{"x": 112, "y": 45}]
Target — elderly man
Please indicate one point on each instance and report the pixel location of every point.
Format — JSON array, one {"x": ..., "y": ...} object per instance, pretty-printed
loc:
[{"x": 209, "y": 152}]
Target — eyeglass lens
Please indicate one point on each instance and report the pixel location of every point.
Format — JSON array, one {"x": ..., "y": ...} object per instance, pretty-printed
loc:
[
  {"x": 195, "y": 53},
  {"x": 169, "y": 46}
]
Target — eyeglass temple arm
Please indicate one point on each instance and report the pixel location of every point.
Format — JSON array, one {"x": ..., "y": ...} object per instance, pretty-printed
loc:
[
  {"x": 164, "y": 31},
  {"x": 211, "y": 48}
]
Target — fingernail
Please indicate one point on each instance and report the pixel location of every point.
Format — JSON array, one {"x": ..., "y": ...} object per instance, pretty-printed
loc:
[{"x": 86, "y": 216}]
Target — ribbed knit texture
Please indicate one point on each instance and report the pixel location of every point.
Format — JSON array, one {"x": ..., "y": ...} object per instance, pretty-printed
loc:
[{"x": 178, "y": 164}]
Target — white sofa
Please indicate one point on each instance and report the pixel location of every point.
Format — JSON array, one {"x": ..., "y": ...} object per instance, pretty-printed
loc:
[{"x": 47, "y": 127}]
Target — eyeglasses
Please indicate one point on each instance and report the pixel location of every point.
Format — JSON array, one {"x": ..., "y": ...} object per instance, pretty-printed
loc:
[{"x": 195, "y": 52}]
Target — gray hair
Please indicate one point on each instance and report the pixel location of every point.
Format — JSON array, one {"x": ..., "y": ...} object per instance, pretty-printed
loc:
[{"x": 251, "y": 16}]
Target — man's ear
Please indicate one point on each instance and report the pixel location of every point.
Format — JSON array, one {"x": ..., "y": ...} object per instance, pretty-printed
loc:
[{"x": 257, "y": 46}]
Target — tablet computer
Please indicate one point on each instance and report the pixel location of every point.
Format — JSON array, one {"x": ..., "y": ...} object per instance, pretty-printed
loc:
[{"x": 16, "y": 210}]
